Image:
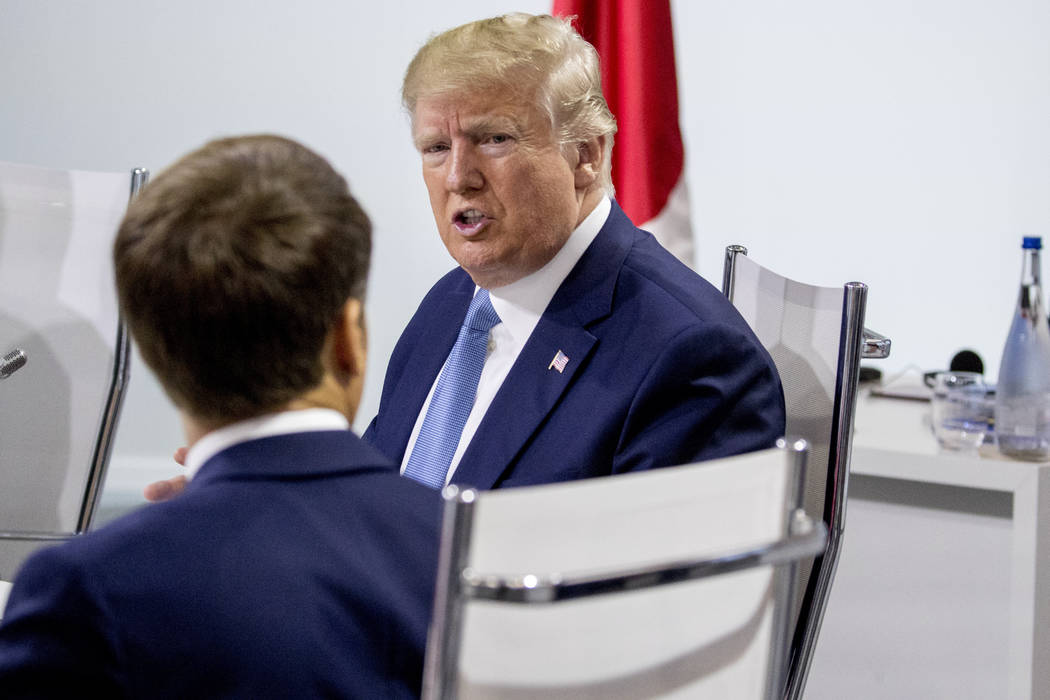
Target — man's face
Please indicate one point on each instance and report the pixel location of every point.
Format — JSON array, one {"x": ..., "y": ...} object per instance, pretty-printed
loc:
[{"x": 504, "y": 196}]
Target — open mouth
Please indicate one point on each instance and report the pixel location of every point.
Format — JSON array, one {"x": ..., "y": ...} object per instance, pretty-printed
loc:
[{"x": 469, "y": 221}]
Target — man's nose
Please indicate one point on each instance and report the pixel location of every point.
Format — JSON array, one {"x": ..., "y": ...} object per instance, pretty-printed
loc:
[{"x": 463, "y": 172}]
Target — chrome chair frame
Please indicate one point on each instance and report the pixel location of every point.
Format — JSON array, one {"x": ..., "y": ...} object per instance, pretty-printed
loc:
[
  {"x": 111, "y": 413},
  {"x": 855, "y": 343},
  {"x": 458, "y": 583},
  {"x": 103, "y": 448}
]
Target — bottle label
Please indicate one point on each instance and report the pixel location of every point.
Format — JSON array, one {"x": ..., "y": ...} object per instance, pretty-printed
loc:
[{"x": 1022, "y": 426}]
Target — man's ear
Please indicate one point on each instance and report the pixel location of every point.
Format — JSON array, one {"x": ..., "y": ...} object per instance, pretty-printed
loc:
[
  {"x": 591, "y": 154},
  {"x": 350, "y": 345}
]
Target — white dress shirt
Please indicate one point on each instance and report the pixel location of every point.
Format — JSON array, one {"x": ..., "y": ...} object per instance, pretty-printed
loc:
[
  {"x": 284, "y": 423},
  {"x": 519, "y": 306}
]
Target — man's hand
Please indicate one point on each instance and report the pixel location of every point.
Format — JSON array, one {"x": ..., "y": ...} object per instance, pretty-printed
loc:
[{"x": 168, "y": 488}]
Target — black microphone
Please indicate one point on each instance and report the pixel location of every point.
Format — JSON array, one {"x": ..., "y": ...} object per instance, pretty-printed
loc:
[
  {"x": 966, "y": 361},
  {"x": 11, "y": 363}
]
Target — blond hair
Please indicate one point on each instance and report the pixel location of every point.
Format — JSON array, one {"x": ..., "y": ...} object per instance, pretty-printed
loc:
[{"x": 526, "y": 53}]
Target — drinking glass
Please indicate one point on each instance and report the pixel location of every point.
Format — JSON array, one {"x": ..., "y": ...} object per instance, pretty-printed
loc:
[{"x": 962, "y": 410}]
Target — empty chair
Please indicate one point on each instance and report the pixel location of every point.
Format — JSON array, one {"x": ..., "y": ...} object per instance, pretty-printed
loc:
[
  {"x": 816, "y": 338},
  {"x": 58, "y": 308},
  {"x": 668, "y": 583}
]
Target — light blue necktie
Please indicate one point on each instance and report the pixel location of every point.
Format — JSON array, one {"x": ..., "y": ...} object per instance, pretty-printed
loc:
[{"x": 453, "y": 397}]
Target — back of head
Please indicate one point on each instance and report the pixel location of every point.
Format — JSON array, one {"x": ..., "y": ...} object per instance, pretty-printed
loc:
[
  {"x": 540, "y": 56},
  {"x": 232, "y": 267}
]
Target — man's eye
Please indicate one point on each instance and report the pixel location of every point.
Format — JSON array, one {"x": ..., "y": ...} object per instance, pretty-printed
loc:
[
  {"x": 499, "y": 138},
  {"x": 435, "y": 148}
]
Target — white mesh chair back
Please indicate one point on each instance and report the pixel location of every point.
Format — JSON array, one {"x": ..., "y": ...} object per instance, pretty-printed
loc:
[
  {"x": 513, "y": 620},
  {"x": 816, "y": 338},
  {"x": 58, "y": 306},
  {"x": 800, "y": 326}
]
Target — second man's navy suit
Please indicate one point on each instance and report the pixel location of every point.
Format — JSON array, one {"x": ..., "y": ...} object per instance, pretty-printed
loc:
[
  {"x": 293, "y": 566},
  {"x": 661, "y": 370}
]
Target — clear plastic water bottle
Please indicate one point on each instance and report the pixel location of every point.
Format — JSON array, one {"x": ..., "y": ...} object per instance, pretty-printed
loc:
[{"x": 1022, "y": 403}]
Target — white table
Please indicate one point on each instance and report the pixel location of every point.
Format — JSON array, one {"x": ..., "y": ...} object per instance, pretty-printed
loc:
[{"x": 943, "y": 587}]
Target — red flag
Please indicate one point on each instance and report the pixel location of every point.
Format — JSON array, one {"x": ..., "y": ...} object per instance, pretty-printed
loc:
[{"x": 636, "y": 45}]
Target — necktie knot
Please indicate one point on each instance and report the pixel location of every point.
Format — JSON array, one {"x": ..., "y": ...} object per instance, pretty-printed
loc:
[{"x": 480, "y": 314}]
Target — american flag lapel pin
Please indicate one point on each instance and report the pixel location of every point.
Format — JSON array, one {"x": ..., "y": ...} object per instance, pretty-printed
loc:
[{"x": 559, "y": 362}]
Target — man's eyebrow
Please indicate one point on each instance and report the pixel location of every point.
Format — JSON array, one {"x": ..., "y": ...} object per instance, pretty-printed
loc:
[
  {"x": 427, "y": 137},
  {"x": 473, "y": 128},
  {"x": 490, "y": 124}
]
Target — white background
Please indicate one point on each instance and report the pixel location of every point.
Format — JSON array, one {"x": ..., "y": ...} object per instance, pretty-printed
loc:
[{"x": 902, "y": 144}]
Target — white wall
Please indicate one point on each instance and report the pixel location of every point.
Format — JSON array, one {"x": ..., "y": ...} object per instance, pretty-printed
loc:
[{"x": 904, "y": 144}]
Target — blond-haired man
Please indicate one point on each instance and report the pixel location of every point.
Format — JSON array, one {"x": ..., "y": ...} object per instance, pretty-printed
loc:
[{"x": 605, "y": 354}]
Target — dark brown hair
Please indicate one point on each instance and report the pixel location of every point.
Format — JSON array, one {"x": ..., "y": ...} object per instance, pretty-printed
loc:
[{"x": 232, "y": 267}]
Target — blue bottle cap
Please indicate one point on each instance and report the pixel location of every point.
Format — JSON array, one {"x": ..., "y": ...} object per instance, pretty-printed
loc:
[{"x": 1032, "y": 242}]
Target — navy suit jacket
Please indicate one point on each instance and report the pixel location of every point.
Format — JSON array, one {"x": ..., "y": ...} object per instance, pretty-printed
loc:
[
  {"x": 293, "y": 566},
  {"x": 661, "y": 370}
]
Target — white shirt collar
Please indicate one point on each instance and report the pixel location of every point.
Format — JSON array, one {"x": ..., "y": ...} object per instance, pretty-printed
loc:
[
  {"x": 304, "y": 420},
  {"x": 521, "y": 303}
]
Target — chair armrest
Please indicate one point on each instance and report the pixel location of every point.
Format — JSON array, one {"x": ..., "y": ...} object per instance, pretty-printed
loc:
[{"x": 875, "y": 346}]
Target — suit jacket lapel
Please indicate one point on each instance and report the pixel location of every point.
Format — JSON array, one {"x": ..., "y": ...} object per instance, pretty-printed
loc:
[{"x": 532, "y": 388}]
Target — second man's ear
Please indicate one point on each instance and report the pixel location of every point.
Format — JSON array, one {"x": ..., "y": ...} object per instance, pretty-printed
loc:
[
  {"x": 589, "y": 166},
  {"x": 351, "y": 344}
]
